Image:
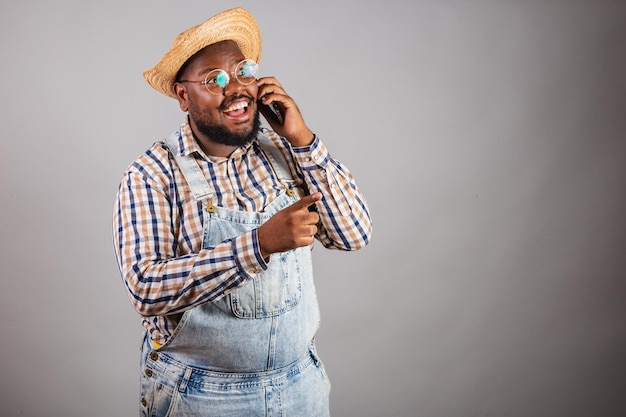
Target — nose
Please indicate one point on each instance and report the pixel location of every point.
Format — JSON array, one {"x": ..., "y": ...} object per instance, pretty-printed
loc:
[{"x": 233, "y": 86}]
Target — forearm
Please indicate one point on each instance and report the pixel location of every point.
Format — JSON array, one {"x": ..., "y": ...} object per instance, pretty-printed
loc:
[
  {"x": 168, "y": 286},
  {"x": 162, "y": 271},
  {"x": 344, "y": 215}
]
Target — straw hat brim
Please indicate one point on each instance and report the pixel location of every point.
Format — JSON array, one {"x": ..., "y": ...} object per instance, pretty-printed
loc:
[{"x": 236, "y": 24}]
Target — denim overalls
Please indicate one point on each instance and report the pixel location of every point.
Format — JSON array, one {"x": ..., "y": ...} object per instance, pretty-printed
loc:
[{"x": 250, "y": 353}]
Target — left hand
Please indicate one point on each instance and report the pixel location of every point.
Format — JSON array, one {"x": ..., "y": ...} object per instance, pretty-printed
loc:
[{"x": 293, "y": 128}]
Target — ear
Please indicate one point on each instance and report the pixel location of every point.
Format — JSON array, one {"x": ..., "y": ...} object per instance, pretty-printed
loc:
[{"x": 181, "y": 95}]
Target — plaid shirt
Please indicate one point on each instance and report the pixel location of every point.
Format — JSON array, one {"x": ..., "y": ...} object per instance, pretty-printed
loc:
[{"x": 158, "y": 224}]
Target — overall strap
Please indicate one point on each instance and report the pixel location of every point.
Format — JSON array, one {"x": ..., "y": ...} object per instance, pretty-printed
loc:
[
  {"x": 276, "y": 157},
  {"x": 198, "y": 184}
]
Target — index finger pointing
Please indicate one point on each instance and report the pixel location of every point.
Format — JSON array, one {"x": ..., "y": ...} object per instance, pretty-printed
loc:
[{"x": 308, "y": 200}]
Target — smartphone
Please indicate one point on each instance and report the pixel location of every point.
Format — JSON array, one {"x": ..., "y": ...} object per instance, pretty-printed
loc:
[{"x": 271, "y": 111}]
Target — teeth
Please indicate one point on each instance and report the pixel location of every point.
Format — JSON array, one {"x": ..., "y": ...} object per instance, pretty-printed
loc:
[{"x": 237, "y": 106}]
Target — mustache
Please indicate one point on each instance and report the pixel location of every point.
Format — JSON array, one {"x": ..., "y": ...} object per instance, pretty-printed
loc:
[{"x": 230, "y": 100}]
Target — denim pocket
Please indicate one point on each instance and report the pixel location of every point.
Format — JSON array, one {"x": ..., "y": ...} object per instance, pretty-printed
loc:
[{"x": 276, "y": 290}]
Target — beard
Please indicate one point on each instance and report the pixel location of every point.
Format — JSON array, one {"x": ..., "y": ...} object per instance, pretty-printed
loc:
[{"x": 219, "y": 134}]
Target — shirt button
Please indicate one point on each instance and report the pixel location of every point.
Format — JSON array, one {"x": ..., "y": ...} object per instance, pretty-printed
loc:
[
  {"x": 154, "y": 356},
  {"x": 308, "y": 159},
  {"x": 144, "y": 402},
  {"x": 148, "y": 373},
  {"x": 316, "y": 157}
]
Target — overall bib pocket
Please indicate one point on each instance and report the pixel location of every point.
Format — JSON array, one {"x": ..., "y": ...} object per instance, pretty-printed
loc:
[{"x": 273, "y": 292}]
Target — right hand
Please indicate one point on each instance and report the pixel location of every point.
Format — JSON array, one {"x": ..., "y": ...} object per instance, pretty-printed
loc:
[
  {"x": 293, "y": 127},
  {"x": 292, "y": 227}
]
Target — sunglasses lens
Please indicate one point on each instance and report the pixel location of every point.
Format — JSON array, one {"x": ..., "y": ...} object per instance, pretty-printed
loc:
[
  {"x": 216, "y": 81},
  {"x": 246, "y": 71},
  {"x": 221, "y": 79}
]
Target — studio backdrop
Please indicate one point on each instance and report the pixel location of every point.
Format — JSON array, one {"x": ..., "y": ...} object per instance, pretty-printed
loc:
[{"x": 489, "y": 138}]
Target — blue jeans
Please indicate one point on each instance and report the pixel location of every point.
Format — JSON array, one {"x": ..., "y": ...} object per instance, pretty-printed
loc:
[{"x": 172, "y": 389}]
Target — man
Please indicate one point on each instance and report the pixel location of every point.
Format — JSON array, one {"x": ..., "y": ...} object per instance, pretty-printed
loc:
[{"x": 213, "y": 232}]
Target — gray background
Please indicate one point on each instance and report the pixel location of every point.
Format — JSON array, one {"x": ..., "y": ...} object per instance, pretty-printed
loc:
[{"x": 488, "y": 136}]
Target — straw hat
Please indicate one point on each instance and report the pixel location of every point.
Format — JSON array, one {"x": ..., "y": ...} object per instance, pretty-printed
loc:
[{"x": 235, "y": 24}]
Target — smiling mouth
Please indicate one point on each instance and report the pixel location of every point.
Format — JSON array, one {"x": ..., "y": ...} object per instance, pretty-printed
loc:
[{"x": 237, "y": 109}]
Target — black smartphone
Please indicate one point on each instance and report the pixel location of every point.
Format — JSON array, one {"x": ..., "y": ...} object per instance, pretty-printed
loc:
[{"x": 271, "y": 111}]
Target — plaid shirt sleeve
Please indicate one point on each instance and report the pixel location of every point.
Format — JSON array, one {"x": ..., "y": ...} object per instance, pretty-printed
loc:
[
  {"x": 161, "y": 277},
  {"x": 344, "y": 215}
]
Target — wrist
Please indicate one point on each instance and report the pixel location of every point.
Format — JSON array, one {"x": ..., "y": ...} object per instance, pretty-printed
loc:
[{"x": 302, "y": 139}]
